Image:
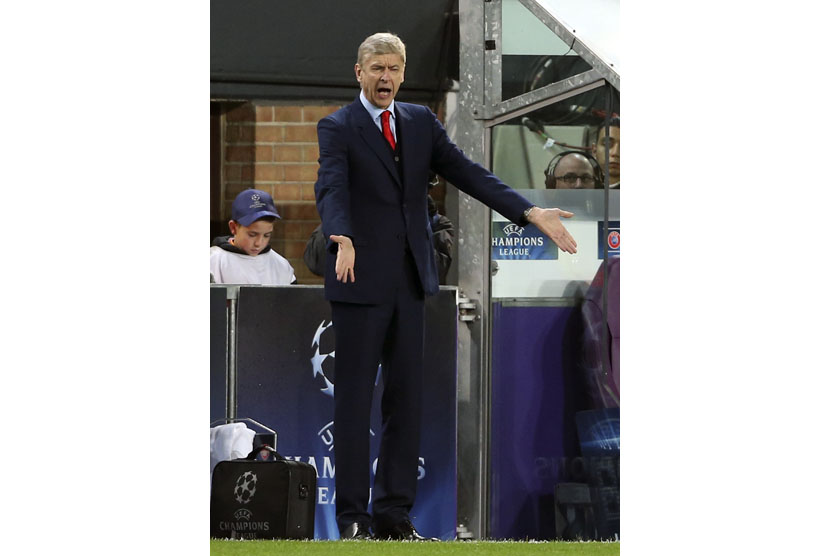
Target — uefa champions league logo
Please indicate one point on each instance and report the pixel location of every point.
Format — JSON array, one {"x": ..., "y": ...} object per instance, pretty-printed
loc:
[
  {"x": 245, "y": 487},
  {"x": 256, "y": 201}
]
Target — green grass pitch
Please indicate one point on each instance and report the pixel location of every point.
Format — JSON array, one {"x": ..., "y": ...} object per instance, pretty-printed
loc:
[{"x": 220, "y": 547}]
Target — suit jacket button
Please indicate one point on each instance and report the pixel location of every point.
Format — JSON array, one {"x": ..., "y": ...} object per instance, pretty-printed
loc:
[{"x": 397, "y": 159}]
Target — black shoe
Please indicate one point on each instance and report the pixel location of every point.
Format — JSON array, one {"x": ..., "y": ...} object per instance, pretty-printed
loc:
[
  {"x": 401, "y": 531},
  {"x": 356, "y": 531}
]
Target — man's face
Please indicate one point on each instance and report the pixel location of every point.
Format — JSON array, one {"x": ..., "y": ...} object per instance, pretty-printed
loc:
[
  {"x": 380, "y": 77},
  {"x": 613, "y": 152},
  {"x": 573, "y": 172},
  {"x": 252, "y": 239}
]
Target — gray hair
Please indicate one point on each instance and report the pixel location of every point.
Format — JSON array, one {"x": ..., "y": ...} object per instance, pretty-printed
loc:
[{"x": 381, "y": 43}]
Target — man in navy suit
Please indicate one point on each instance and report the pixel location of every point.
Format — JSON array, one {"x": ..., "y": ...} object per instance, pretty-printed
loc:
[{"x": 375, "y": 159}]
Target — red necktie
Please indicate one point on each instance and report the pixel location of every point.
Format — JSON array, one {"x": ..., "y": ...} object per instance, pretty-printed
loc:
[{"x": 387, "y": 131}]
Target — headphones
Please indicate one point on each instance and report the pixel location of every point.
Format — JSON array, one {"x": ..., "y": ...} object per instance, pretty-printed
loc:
[{"x": 554, "y": 162}]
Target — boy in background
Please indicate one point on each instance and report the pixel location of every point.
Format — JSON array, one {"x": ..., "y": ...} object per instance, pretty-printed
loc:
[{"x": 246, "y": 257}]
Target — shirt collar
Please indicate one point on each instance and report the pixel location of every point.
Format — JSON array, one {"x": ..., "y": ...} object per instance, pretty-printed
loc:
[{"x": 373, "y": 110}]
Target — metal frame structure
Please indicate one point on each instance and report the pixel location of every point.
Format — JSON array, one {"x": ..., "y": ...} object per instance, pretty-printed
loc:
[
  {"x": 480, "y": 107},
  {"x": 231, "y": 385}
]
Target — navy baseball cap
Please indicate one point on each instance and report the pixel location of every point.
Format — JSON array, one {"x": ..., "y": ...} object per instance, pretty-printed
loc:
[{"x": 251, "y": 205}]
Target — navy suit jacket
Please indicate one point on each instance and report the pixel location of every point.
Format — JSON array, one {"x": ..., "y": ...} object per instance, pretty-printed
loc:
[{"x": 361, "y": 194}]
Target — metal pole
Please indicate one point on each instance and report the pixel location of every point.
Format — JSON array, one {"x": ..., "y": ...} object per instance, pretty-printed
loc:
[
  {"x": 231, "y": 384},
  {"x": 473, "y": 282},
  {"x": 606, "y": 340}
]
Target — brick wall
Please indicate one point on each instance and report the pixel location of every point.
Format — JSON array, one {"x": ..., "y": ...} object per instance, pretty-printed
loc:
[{"x": 273, "y": 147}]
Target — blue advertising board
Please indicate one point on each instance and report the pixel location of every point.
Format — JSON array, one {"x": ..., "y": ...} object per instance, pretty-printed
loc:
[
  {"x": 512, "y": 242},
  {"x": 286, "y": 380}
]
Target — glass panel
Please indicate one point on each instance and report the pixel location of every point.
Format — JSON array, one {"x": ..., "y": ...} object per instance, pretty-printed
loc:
[
  {"x": 595, "y": 22},
  {"x": 554, "y": 158},
  {"x": 528, "y": 264},
  {"x": 554, "y": 316},
  {"x": 532, "y": 55}
]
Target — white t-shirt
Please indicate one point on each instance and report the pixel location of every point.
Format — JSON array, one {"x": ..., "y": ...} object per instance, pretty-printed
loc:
[{"x": 269, "y": 268}]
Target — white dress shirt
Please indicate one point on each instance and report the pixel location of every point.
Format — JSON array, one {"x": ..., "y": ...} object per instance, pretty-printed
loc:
[{"x": 375, "y": 113}]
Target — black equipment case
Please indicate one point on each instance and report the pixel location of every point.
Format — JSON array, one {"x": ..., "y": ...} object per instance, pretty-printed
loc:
[{"x": 254, "y": 499}]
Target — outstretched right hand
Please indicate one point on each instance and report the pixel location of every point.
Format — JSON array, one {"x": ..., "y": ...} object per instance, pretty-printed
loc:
[{"x": 344, "y": 265}]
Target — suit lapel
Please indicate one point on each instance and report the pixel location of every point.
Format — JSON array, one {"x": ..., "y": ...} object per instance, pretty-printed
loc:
[{"x": 374, "y": 139}]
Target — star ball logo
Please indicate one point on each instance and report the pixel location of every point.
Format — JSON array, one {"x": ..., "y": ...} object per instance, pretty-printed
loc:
[
  {"x": 256, "y": 201},
  {"x": 322, "y": 367},
  {"x": 245, "y": 487},
  {"x": 319, "y": 359}
]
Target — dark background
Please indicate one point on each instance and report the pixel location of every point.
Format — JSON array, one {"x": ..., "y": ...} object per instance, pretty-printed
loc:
[{"x": 266, "y": 49}]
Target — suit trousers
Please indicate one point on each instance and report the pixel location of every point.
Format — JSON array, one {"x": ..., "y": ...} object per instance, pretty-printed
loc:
[{"x": 391, "y": 334}]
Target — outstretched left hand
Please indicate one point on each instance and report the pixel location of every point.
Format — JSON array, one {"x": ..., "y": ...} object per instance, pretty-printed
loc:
[{"x": 548, "y": 221}]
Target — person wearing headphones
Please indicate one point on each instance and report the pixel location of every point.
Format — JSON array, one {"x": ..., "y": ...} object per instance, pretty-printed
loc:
[{"x": 573, "y": 170}]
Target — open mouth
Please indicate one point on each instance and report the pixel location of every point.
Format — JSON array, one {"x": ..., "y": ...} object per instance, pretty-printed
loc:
[{"x": 384, "y": 92}]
